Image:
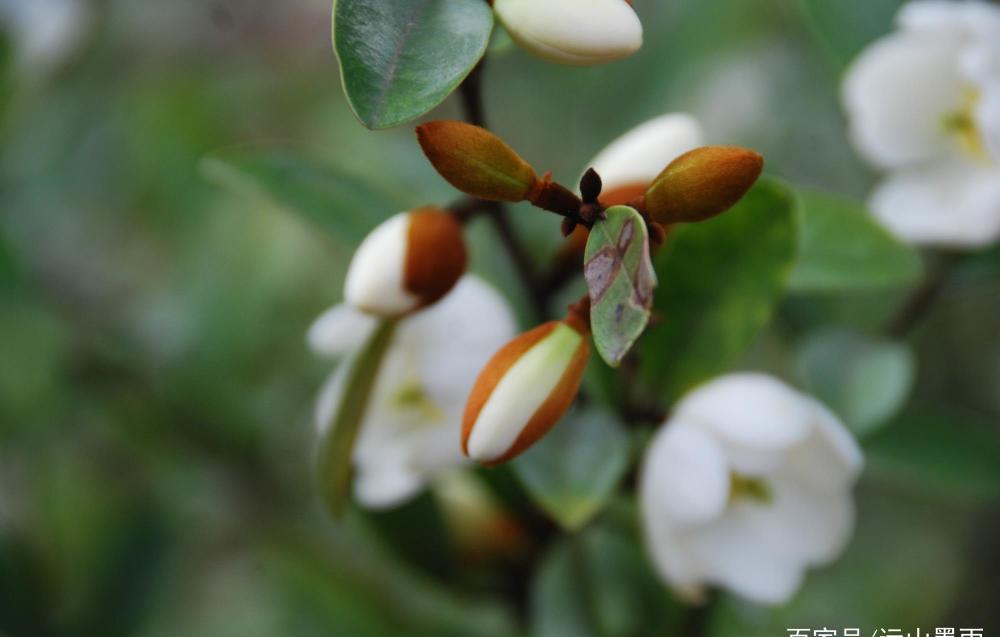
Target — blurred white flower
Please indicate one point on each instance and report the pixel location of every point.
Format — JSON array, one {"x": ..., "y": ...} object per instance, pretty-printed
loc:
[
  {"x": 745, "y": 486},
  {"x": 632, "y": 162},
  {"x": 411, "y": 428},
  {"x": 924, "y": 105},
  {"x": 44, "y": 32},
  {"x": 580, "y": 32}
]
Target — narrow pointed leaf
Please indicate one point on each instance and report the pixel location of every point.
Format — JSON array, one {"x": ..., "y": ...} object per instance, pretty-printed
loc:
[
  {"x": 342, "y": 204},
  {"x": 621, "y": 280},
  {"x": 401, "y": 58},
  {"x": 842, "y": 247},
  {"x": 337, "y": 441}
]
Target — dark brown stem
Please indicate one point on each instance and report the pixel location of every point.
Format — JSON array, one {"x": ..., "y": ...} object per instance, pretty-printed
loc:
[
  {"x": 471, "y": 91},
  {"x": 522, "y": 260},
  {"x": 695, "y": 622},
  {"x": 916, "y": 306}
]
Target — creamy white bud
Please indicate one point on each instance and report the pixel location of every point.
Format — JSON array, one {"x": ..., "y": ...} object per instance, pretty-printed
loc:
[
  {"x": 580, "y": 32},
  {"x": 374, "y": 281},
  {"x": 638, "y": 156},
  {"x": 409, "y": 261},
  {"x": 523, "y": 392}
]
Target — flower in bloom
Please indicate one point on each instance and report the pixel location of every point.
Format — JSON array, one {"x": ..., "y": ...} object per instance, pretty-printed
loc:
[
  {"x": 409, "y": 261},
  {"x": 525, "y": 389},
  {"x": 580, "y": 32},
  {"x": 45, "y": 32},
  {"x": 924, "y": 105},
  {"x": 411, "y": 427},
  {"x": 747, "y": 485}
]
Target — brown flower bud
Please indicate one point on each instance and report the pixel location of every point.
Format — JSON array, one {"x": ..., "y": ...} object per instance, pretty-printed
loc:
[
  {"x": 702, "y": 183},
  {"x": 476, "y": 161}
]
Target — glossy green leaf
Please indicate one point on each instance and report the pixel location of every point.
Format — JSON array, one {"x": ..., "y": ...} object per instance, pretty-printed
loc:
[
  {"x": 336, "y": 444},
  {"x": 338, "y": 202},
  {"x": 865, "y": 380},
  {"x": 401, "y": 58},
  {"x": 600, "y": 584},
  {"x": 950, "y": 453},
  {"x": 573, "y": 470},
  {"x": 842, "y": 247},
  {"x": 621, "y": 281},
  {"x": 845, "y": 28},
  {"x": 720, "y": 282}
]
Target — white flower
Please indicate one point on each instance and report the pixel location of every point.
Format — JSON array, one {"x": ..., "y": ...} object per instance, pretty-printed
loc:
[
  {"x": 45, "y": 32},
  {"x": 581, "y": 32},
  {"x": 924, "y": 105},
  {"x": 746, "y": 486},
  {"x": 633, "y": 161},
  {"x": 407, "y": 262},
  {"x": 411, "y": 428}
]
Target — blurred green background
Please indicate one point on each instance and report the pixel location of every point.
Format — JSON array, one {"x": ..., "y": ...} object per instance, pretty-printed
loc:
[{"x": 156, "y": 392}]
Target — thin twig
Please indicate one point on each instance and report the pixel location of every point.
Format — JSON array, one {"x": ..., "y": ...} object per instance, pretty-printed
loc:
[{"x": 916, "y": 306}]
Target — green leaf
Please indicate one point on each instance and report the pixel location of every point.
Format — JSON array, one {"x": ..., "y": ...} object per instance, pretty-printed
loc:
[
  {"x": 720, "y": 281},
  {"x": 572, "y": 471},
  {"x": 845, "y": 28},
  {"x": 865, "y": 380},
  {"x": 401, "y": 58},
  {"x": 936, "y": 449},
  {"x": 842, "y": 247},
  {"x": 341, "y": 204},
  {"x": 337, "y": 441},
  {"x": 621, "y": 280},
  {"x": 599, "y": 584}
]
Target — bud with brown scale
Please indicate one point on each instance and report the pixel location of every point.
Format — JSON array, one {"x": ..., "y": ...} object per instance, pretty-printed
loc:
[
  {"x": 702, "y": 183},
  {"x": 476, "y": 161},
  {"x": 409, "y": 261},
  {"x": 526, "y": 388}
]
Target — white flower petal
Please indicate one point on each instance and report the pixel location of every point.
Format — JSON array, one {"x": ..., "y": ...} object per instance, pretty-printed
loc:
[
  {"x": 987, "y": 116},
  {"x": 898, "y": 94},
  {"x": 671, "y": 557},
  {"x": 340, "y": 330},
  {"x": 375, "y": 277},
  {"x": 386, "y": 486},
  {"x": 457, "y": 337},
  {"x": 572, "y": 31},
  {"x": 954, "y": 203},
  {"x": 685, "y": 474},
  {"x": 744, "y": 553},
  {"x": 813, "y": 527},
  {"x": 641, "y": 154},
  {"x": 755, "y": 417}
]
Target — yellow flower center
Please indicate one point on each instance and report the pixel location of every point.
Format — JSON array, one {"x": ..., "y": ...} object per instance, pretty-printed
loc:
[
  {"x": 413, "y": 398},
  {"x": 748, "y": 488},
  {"x": 962, "y": 123}
]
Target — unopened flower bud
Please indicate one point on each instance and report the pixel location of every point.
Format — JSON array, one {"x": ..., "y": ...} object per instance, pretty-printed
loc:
[
  {"x": 525, "y": 390},
  {"x": 409, "y": 261},
  {"x": 580, "y": 32},
  {"x": 476, "y": 161},
  {"x": 702, "y": 183}
]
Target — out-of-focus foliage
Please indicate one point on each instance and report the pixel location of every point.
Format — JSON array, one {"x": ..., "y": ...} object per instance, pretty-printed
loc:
[{"x": 156, "y": 393}]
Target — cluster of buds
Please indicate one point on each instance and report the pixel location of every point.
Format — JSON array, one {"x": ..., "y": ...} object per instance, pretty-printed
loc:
[
  {"x": 414, "y": 259},
  {"x": 578, "y": 32}
]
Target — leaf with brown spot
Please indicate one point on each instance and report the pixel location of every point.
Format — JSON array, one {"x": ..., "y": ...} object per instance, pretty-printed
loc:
[{"x": 621, "y": 280}]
